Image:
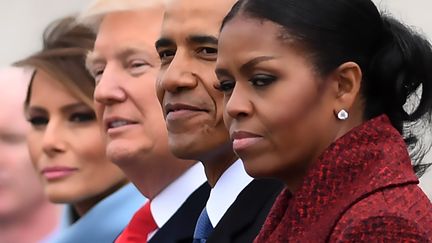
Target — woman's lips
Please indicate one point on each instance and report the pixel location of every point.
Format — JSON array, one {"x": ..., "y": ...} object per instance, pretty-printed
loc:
[
  {"x": 55, "y": 173},
  {"x": 243, "y": 140}
]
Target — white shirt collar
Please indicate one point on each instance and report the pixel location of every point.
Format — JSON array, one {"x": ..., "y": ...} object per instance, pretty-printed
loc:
[
  {"x": 166, "y": 203},
  {"x": 226, "y": 190}
]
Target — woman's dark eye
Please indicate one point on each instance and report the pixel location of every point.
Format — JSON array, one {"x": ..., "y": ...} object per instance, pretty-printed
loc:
[
  {"x": 225, "y": 86},
  {"x": 82, "y": 117},
  {"x": 38, "y": 121},
  {"x": 262, "y": 80}
]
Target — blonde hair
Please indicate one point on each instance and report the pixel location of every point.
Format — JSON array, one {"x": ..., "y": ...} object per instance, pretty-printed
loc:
[{"x": 92, "y": 16}]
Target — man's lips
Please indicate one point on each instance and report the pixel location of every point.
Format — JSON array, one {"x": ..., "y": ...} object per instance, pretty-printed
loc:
[
  {"x": 116, "y": 122},
  {"x": 179, "y": 111},
  {"x": 243, "y": 140},
  {"x": 173, "y": 107}
]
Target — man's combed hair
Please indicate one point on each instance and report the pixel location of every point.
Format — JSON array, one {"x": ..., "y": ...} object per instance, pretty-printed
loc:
[{"x": 94, "y": 13}]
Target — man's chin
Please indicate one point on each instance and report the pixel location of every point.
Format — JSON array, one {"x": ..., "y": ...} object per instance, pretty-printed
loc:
[
  {"x": 185, "y": 151},
  {"x": 121, "y": 155}
]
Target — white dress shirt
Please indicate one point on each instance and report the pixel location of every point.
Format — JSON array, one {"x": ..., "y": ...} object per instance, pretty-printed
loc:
[
  {"x": 167, "y": 202},
  {"x": 226, "y": 190}
]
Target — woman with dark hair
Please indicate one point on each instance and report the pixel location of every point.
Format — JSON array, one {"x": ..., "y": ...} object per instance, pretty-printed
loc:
[
  {"x": 65, "y": 141},
  {"x": 315, "y": 94}
]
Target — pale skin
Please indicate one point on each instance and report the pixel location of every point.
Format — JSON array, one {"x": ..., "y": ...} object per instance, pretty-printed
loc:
[
  {"x": 125, "y": 64},
  {"x": 66, "y": 146}
]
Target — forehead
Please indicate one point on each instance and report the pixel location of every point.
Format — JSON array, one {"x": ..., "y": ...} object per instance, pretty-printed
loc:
[
  {"x": 195, "y": 17},
  {"x": 128, "y": 29},
  {"x": 46, "y": 88},
  {"x": 240, "y": 34}
]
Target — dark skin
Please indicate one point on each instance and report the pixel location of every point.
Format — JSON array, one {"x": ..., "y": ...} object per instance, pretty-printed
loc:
[
  {"x": 274, "y": 98},
  {"x": 193, "y": 109}
]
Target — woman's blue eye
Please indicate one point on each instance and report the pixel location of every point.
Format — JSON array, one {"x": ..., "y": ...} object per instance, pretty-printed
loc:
[{"x": 82, "y": 117}]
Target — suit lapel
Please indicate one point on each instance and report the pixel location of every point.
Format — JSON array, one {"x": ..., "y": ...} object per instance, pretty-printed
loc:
[
  {"x": 245, "y": 216},
  {"x": 180, "y": 227}
]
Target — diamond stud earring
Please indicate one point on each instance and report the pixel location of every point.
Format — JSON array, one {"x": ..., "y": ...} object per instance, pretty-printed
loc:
[{"x": 342, "y": 115}]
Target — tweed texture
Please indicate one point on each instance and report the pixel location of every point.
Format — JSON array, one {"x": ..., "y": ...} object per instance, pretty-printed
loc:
[{"x": 361, "y": 189}]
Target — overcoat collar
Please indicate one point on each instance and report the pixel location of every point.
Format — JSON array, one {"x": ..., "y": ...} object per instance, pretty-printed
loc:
[{"x": 370, "y": 157}]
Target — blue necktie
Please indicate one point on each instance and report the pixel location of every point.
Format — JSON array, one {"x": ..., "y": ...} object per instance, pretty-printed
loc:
[{"x": 203, "y": 228}]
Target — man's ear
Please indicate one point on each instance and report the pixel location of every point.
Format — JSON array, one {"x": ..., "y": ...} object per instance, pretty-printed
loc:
[{"x": 346, "y": 83}]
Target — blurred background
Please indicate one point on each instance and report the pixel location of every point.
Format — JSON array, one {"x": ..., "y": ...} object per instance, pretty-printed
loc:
[{"x": 22, "y": 23}]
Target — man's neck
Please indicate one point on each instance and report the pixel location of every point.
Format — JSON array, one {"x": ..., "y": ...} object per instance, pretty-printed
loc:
[
  {"x": 151, "y": 180},
  {"x": 217, "y": 162}
]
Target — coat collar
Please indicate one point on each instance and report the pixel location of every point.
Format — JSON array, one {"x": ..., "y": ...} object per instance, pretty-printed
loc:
[{"x": 370, "y": 157}]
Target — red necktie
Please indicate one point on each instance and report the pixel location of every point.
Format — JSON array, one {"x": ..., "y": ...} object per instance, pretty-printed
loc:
[{"x": 141, "y": 224}]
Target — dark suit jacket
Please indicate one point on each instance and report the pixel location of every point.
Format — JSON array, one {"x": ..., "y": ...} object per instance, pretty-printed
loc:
[
  {"x": 180, "y": 227},
  {"x": 361, "y": 189},
  {"x": 245, "y": 217}
]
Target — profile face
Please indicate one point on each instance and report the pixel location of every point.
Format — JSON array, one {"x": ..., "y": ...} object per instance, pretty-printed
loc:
[
  {"x": 125, "y": 63},
  {"x": 66, "y": 145},
  {"x": 193, "y": 109},
  {"x": 20, "y": 187},
  {"x": 278, "y": 110}
]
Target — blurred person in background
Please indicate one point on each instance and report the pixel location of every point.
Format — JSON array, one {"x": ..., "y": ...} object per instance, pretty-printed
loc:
[
  {"x": 23, "y": 205},
  {"x": 124, "y": 64},
  {"x": 65, "y": 142}
]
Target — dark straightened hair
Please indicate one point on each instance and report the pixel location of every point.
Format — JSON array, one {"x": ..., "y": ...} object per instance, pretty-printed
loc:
[{"x": 396, "y": 62}]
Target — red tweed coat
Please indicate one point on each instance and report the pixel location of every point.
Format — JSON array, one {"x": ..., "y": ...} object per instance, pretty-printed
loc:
[{"x": 362, "y": 189}]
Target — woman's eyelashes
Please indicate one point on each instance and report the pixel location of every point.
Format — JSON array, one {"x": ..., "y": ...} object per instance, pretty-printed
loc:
[
  {"x": 80, "y": 117},
  {"x": 257, "y": 81},
  {"x": 261, "y": 80},
  {"x": 225, "y": 86},
  {"x": 38, "y": 121}
]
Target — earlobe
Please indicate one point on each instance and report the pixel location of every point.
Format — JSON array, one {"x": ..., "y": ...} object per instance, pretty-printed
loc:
[{"x": 348, "y": 77}]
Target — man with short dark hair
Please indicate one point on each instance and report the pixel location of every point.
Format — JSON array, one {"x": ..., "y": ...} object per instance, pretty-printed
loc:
[{"x": 238, "y": 204}]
